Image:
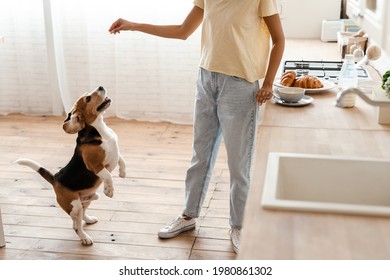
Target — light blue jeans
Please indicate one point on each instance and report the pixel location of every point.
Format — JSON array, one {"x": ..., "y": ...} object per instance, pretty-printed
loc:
[{"x": 225, "y": 107}]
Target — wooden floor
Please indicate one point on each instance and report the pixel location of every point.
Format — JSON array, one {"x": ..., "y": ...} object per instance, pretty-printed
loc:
[{"x": 157, "y": 156}]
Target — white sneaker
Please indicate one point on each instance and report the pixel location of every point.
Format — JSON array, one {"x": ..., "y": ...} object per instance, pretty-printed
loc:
[
  {"x": 235, "y": 234},
  {"x": 177, "y": 226}
]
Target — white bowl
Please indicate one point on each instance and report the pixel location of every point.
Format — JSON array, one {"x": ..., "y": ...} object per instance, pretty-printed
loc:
[{"x": 291, "y": 94}]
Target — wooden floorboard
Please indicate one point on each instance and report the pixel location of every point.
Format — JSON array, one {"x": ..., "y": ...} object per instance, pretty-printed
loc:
[{"x": 157, "y": 156}]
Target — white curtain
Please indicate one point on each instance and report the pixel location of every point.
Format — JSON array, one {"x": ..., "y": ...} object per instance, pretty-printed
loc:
[{"x": 56, "y": 50}]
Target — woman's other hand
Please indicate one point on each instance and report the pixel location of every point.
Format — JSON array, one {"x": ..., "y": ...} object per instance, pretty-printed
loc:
[{"x": 119, "y": 25}]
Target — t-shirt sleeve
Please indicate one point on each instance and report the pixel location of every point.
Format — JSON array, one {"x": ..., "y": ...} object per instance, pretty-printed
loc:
[
  {"x": 267, "y": 8},
  {"x": 199, "y": 3}
]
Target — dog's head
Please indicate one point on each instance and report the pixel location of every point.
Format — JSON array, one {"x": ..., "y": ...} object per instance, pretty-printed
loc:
[{"x": 86, "y": 109}]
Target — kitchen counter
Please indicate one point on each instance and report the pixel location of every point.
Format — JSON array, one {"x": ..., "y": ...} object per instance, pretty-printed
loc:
[{"x": 319, "y": 128}]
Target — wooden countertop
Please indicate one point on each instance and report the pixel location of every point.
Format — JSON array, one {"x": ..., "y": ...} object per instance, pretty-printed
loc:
[{"x": 319, "y": 128}]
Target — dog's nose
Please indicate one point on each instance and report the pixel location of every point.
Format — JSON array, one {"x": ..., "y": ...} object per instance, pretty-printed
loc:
[{"x": 100, "y": 88}]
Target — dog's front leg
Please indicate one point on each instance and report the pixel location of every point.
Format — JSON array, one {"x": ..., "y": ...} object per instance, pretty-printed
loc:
[
  {"x": 122, "y": 167},
  {"x": 105, "y": 175},
  {"x": 77, "y": 214}
]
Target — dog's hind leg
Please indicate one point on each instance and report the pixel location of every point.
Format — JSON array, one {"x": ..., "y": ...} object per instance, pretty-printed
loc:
[
  {"x": 86, "y": 202},
  {"x": 77, "y": 215}
]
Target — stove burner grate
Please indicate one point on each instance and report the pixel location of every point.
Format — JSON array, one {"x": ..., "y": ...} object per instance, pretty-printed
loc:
[{"x": 320, "y": 68}]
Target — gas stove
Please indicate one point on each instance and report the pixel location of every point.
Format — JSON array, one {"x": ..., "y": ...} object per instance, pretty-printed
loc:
[{"x": 322, "y": 69}]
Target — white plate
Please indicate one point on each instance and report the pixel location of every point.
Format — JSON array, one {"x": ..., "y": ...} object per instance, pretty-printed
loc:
[
  {"x": 327, "y": 85},
  {"x": 306, "y": 100}
]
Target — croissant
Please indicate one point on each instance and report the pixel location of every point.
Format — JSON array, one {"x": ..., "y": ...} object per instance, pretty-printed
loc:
[
  {"x": 307, "y": 82},
  {"x": 288, "y": 78}
]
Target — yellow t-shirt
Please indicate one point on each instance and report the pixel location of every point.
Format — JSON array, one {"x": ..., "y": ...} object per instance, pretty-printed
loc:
[{"x": 235, "y": 38}]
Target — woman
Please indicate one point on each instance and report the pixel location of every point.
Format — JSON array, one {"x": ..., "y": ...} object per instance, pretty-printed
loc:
[{"x": 234, "y": 56}]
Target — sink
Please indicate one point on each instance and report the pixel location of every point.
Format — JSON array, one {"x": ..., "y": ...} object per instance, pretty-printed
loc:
[{"x": 332, "y": 184}]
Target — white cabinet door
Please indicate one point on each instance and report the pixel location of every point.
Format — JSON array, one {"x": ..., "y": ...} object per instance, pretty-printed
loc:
[
  {"x": 370, "y": 16},
  {"x": 303, "y": 18}
]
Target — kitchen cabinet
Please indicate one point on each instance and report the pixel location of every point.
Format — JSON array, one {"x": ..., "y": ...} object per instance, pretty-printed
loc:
[
  {"x": 371, "y": 16},
  {"x": 319, "y": 128},
  {"x": 303, "y": 18}
]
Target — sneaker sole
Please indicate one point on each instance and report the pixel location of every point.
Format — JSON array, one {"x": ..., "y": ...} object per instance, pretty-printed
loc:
[{"x": 175, "y": 233}]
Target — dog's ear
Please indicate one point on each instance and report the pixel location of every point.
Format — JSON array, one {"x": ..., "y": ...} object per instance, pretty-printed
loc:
[{"x": 73, "y": 123}]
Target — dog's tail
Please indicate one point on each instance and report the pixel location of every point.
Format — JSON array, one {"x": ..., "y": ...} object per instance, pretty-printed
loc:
[{"x": 47, "y": 175}]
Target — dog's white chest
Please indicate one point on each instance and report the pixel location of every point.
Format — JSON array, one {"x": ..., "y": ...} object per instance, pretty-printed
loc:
[
  {"x": 109, "y": 144},
  {"x": 111, "y": 149}
]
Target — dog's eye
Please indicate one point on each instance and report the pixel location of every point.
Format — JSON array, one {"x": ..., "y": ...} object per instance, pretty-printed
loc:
[{"x": 88, "y": 98}]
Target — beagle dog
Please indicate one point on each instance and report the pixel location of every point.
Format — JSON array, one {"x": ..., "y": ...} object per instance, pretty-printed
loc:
[{"x": 95, "y": 156}]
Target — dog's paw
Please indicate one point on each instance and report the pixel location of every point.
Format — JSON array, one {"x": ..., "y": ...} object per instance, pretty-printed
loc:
[
  {"x": 90, "y": 219},
  {"x": 122, "y": 173},
  {"x": 108, "y": 190},
  {"x": 87, "y": 240}
]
